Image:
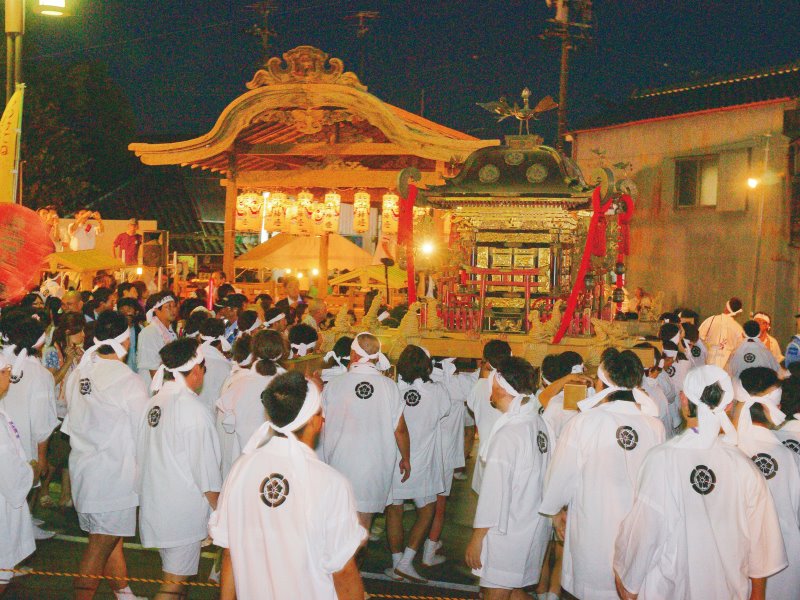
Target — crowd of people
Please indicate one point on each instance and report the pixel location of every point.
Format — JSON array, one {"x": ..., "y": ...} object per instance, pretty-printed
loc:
[{"x": 673, "y": 473}]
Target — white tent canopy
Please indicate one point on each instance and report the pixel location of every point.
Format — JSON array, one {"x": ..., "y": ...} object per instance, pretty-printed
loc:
[{"x": 303, "y": 253}]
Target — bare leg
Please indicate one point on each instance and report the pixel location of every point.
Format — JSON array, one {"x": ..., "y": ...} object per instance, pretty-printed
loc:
[
  {"x": 496, "y": 594},
  {"x": 66, "y": 488},
  {"x": 421, "y": 526},
  {"x": 172, "y": 591},
  {"x": 93, "y": 562},
  {"x": 469, "y": 441},
  {"x": 394, "y": 528},
  {"x": 438, "y": 519},
  {"x": 555, "y": 572},
  {"x": 116, "y": 567},
  {"x": 544, "y": 578}
]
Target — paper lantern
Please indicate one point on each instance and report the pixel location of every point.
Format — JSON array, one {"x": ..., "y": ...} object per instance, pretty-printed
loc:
[
  {"x": 274, "y": 218},
  {"x": 390, "y": 214},
  {"x": 248, "y": 211},
  {"x": 26, "y": 244},
  {"x": 361, "y": 202},
  {"x": 332, "y": 210},
  {"x": 305, "y": 206}
]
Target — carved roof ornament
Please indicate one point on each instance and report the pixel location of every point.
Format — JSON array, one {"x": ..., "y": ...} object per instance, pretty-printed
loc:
[{"x": 305, "y": 64}]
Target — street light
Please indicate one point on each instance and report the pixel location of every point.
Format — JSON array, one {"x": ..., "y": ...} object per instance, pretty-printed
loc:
[{"x": 15, "y": 29}]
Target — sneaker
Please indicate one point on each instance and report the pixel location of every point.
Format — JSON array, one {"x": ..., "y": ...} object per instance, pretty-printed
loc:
[
  {"x": 407, "y": 571},
  {"x": 389, "y": 572},
  {"x": 459, "y": 475},
  {"x": 36, "y": 522},
  {"x": 42, "y": 534}
]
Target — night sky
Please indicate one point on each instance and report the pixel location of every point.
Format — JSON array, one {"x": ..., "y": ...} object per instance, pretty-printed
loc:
[{"x": 182, "y": 61}]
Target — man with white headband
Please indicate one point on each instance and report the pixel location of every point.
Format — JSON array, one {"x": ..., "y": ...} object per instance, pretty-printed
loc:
[
  {"x": 303, "y": 340},
  {"x": 695, "y": 348},
  {"x": 675, "y": 366},
  {"x": 365, "y": 433},
  {"x": 239, "y": 409},
  {"x": 337, "y": 359},
  {"x": 31, "y": 400},
  {"x": 106, "y": 407},
  {"x": 509, "y": 535},
  {"x": 722, "y": 334},
  {"x": 288, "y": 521},
  {"x": 479, "y": 402},
  {"x": 751, "y": 353},
  {"x": 275, "y": 319},
  {"x": 161, "y": 315},
  {"x": 789, "y": 432},
  {"x": 180, "y": 458},
  {"x": 765, "y": 323},
  {"x": 16, "y": 479},
  {"x": 703, "y": 522},
  {"x": 218, "y": 367},
  {"x": 571, "y": 371},
  {"x": 593, "y": 471},
  {"x": 760, "y": 392},
  {"x": 657, "y": 385}
]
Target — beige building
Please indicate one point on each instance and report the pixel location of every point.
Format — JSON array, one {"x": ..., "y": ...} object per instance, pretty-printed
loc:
[{"x": 701, "y": 233}]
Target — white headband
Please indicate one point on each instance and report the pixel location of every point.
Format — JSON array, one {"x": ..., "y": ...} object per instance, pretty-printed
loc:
[
  {"x": 670, "y": 353},
  {"x": 331, "y": 355},
  {"x": 257, "y": 325},
  {"x": 769, "y": 401},
  {"x": 763, "y": 317},
  {"x": 730, "y": 310},
  {"x": 383, "y": 316},
  {"x": 515, "y": 408},
  {"x": 578, "y": 369},
  {"x": 18, "y": 360},
  {"x": 382, "y": 363},
  {"x": 645, "y": 402},
  {"x": 275, "y": 319},
  {"x": 202, "y": 309},
  {"x": 157, "y": 305},
  {"x": 676, "y": 338},
  {"x": 311, "y": 406},
  {"x": 709, "y": 422},
  {"x": 223, "y": 341},
  {"x": 115, "y": 343},
  {"x": 247, "y": 360},
  {"x": 301, "y": 349},
  {"x": 158, "y": 378}
]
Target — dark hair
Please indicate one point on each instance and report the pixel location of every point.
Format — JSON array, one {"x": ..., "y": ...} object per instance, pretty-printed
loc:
[
  {"x": 101, "y": 295},
  {"x": 414, "y": 364},
  {"x": 790, "y": 397},
  {"x": 236, "y": 301},
  {"x": 246, "y": 320},
  {"x": 108, "y": 325},
  {"x": 550, "y": 368},
  {"x": 240, "y": 348},
  {"x": 271, "y": 314},
  {"x": 125, "y": 287},
  {"x": 567, "y": 360},
  {"x": 302, "y": 334},
  {"x": 669, "y": 317},
  {"x": 494, "y": 351},
  {"x": 691, "y": 332},
  {"x": 25, "y": 333},
  {"x": 187, "y": 306},
  {"x": 667, "y": 345},
  {"x": 153, "y": 299},
  {"x": 608, "y": 354},
  {"x": 668, "y": 331},
  {"x": 752, "y": 328},
  {"x": 656, "y": 353},
  {"x": 138, "y": 317},
  {"x": 267, "y": 346},
  {"x": 519, "y": 373},
  {"x": 70, "y": 323},
  {"x": 757, "y": 380},
  {"x": 29, "y": 299},
  {"x": 211, "y": 327},
  {"x": 688, "y": 313},
  {"x": 625, "y": 369},
  {"x": 265, "y": 301},
  {"x": 284, "y": 397},
  {"x": 711, "y": 397},
  {"x": 224, "y": 290},
  {"x": 178, "y": 353},
  {"x": 52, "y": 306},
  {"x": 194, "y": 322},
  {"x": 140, "y": 286},
  {"x": 342, "y": 350},
  {"x": 735, "y": 304}
]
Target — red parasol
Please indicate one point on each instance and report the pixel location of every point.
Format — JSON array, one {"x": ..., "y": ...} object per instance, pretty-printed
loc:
[{"x": 24, "y": 246}]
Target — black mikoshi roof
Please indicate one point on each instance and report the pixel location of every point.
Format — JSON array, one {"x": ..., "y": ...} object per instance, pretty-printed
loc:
[{"x": 520, "y": 170}]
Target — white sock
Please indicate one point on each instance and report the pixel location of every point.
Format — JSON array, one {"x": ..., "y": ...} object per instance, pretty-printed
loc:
[
  {"x": 550, "y": 596},
  {"x": 396, "y": 558},
  {"x": 408, "y": 555},
  {"x": 124, "y": 592}
]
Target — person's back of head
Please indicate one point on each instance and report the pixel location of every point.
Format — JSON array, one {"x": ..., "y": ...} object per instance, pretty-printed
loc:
[
  {"x": 756, "y": 381},
  {"x": 284, "y": 396},
  {"x": 519, "y": 374},
  {"x": 752, "y": 329},
  {"x": 194, "y": 323},
  {"x": 494, "y": 351},
  {"x": 669, "y": 317},
  {"x": 414, "y": 363},
  {"x": 26, "y": 333},
  {"x": 240, "y": 349},
  {"x": 267, "y": 347},
  {"x": 302, "y": 334},
  {"x": 790, "y": 397},
  {"x": 568, "y": 362},
  {"x": 108, "y": 325},
  {"x": 247, "y": 318},
  {"x": 734, "y": 304},
  {"x": 178, "y": 353},
  {"x": 691, "y": 332},
  {"x": 342, "y": 351},
  {"x": 625, "y": 369},
  {"x": 369, "y": 343},
  {"x": 550, "y": 369},
  {"x": 688, "y": 316},
  {"x": 101, "y": 295},
  {"x": 211, "y": 327},
  {"x": 668, "y": 332},
  {"x": 608, "y": 354},
  {"x": 272, "y": 314}
]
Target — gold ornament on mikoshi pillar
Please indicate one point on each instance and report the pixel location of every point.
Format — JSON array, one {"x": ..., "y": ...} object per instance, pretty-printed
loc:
[
  {"x": 248, "y": 211},
  {"x": 332, "y": 209},
  {"x": 361, "y": 212},
  {"x": 390, "y": 214},
  {"x": 274, "y": 217}
]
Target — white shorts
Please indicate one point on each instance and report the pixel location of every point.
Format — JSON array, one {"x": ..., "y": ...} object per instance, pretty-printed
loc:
[
  {"x": 418, "y": 502},
  {"x": 120, "y": 523},
  {"x": 181, "y": 560},
  {"x": 488, "y": 584},
  {"x": 448, "y": 482},
  {"x": 6, "y": 576}
]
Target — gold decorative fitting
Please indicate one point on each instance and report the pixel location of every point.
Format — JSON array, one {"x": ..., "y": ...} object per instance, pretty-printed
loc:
[
  {"x": 305, "y": 64},
  {"x": 307, "y": 121}
]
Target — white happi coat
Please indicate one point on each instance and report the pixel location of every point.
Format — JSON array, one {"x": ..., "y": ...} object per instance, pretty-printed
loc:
[
  {"x": 362, "y": 410},
  {"x": 509, "y": 497},
  {"x": 696, "y": 352},
  {"x": 703, "y": 522},
  {"x": 240, "y": 412},
  {"x": 291, "y": 544},
  {"x": 751, "y": 353},
  {"x": 426, "y": 405},
  {"x": 721, "y": 335},
  {"x": 677, "y": 372},
  {"x": 789, "y": 435},
  {"x": 106, "y": 407},
  {"x": 332, "y": 372},
  {"x": 459, "y": 386},
  {"x": 781, "y": 468},
  {"x": 218, "y": 369},
  {"x": 149, "y": 342},
  {"x": 556, "y": 417},
  {"x": 486, "y": 415},
  {"x": 16, "y": 479},
  {"x": 593, "y": 473},
  {"x": 665, "y": 414},
  {"x": 31, "y": 404},
  {"x": 179, "y": 460}
]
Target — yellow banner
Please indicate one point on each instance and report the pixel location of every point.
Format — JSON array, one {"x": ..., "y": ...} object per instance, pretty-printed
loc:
[{"x": 10, "y": 126}]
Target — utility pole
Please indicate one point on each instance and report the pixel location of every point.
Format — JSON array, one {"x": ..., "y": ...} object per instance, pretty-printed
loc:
[
  {"x": 263, "y": 31},
  {"x": 362, "y": 19},
  {"x": 422, "y": 103},
  {"x": 573, "y": 24}
]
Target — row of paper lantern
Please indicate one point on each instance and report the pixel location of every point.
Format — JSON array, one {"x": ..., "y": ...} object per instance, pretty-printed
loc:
[{"x": 304, "y": 215}]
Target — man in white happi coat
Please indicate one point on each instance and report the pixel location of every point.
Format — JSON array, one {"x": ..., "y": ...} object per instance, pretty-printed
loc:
[
  {"x": 722, "y": 334},
  {"x": 509, "y": 536},
  {"x": 16, "y": 479},
  {"x": 427, "y": 403},
  {"x": 365, "y": 432},
  {"x": 789, "y": 432},
  {"x": 479, "y": 399},
  {"x": 765, "y": 323},
  {"x": 751, "y": 353},
  {"x": 703, "y": 522},
  {"x": 218, "y": 367},
  {"x": 288, "y": 521},
  {"x": 759, "y": 389},
  {"x": 31, "y": 399},
  {"x": 158, "y": 333},
  {"x": 694, "y": 348},
  {"x": 106, "y": 406},
  {"x": 570, "y": 371},
  {"x": 593, "y": 473},
  {"x": 180, "y": 465}
]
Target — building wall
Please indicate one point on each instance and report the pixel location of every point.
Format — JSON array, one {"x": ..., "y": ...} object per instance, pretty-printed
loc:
[{"x": 701, "y": 256}]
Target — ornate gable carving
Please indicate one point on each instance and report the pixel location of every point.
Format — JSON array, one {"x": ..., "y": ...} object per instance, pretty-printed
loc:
[{"x": 305, "y": 64}]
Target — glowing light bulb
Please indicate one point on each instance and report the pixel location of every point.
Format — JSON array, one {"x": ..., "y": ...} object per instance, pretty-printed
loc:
[
  {"x": 427, "y": 248},
  {"x": 315, "y": 272},
  {"x": 752, "y": 183}
]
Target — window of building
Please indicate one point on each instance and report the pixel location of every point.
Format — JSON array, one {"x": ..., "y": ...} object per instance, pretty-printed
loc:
[{"x": 696, "y": 181}]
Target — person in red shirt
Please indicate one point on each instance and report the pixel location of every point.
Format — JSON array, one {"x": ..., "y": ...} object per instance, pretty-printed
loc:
[{"x": 127, "y": 244}]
